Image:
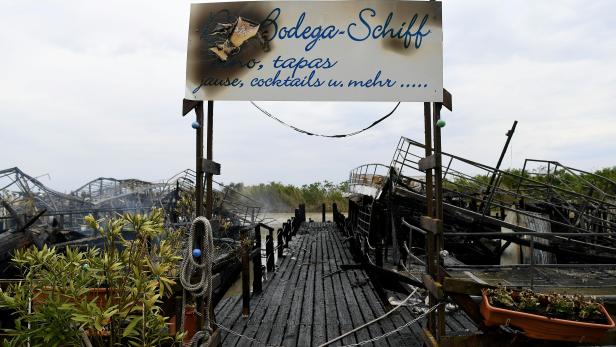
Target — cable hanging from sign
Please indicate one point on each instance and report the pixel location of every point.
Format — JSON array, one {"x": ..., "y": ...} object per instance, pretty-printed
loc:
[{"x": 265, "y": 112}]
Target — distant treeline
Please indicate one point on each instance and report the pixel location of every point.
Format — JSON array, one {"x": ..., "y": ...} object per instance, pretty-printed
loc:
[
  {"x": 279, "y": 197},
  {"x": 603, "y": 179}
]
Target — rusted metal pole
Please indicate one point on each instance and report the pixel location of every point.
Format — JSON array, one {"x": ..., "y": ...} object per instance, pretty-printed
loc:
[
  {"x": 245, "y": 274},
  {"x": 485, "y": 206}
]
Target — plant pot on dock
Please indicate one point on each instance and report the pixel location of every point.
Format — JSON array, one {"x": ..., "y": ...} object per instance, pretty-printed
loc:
[
  {"x": 190, "y": 324},
  {"x": 546, "y": 328}
]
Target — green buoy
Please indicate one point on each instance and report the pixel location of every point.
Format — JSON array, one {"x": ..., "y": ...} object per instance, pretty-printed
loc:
[{"x": 440, "y": 123}]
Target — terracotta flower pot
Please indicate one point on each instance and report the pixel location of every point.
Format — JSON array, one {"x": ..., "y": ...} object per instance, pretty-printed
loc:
[
  {"x": 546, "y": 328},
  {"x": 190, "y": 324}
]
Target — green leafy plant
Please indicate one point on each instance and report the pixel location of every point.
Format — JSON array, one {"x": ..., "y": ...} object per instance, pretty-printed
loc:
[
  {"x": 570, "y": 307},
  {"x": 112, "y": 295}
]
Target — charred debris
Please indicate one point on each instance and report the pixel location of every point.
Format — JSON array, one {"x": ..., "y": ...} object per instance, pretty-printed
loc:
[
  {"x": 547, "y": 225},
  {"x": 34, "y": 214}
]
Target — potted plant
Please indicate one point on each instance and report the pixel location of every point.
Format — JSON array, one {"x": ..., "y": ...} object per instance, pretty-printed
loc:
[
  {"x": 546, "y": 316},
  {"x": 106, "y": 297}
]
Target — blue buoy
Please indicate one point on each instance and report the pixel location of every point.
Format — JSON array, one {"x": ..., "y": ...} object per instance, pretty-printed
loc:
[
  {"x": 196, "y": 252},
  {"x": 196, "y": 125}
]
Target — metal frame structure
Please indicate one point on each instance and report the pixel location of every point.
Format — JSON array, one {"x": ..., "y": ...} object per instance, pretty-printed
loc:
[{"x": 476, "y": 204}]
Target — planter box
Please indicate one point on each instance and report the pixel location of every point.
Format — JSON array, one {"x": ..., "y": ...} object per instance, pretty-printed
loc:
[
  {"x": 545, "y": 328},
  {"x": 100, "y": 294}
]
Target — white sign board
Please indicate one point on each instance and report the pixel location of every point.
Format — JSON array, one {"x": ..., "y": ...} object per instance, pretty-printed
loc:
[{"x": 362, "y": 50}]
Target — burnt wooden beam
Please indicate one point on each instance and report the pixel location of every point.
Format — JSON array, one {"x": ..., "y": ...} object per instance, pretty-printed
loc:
[
  {"x": 32, "y": 220},
  {"x": 428, "y": 338},
  {"x": 390, "y": 277},
  {"x": 434, "y": 287}
]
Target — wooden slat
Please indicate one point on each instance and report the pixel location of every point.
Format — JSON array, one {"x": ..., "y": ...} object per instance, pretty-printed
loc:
[
  {"x": 352, "y": 304},
  {"x": 306, "y": 303}
]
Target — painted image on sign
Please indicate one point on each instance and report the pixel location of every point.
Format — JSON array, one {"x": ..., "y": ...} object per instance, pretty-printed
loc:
[{"x": 301, "y": 50}]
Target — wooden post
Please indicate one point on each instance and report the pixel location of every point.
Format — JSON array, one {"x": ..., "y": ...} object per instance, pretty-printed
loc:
[
  {"x": 269, "y": 251},
  {"x": 438, "y": 184},
  {"x": 210, "y": 156},
  {"x": 279, "y": 243},
  {"x": 209, "y": 192},
  {"x": 334, "y": 212},
  {"x": 285, "y": 235},
  {"x": 296, "y": 221},
  {"x": 199, "y": 231},
  {"x": 302, "y": 209},
  {"x": 378, "y": 252},
  {"x": 245, "y": 274},
  {"x": 287, "y": 232},
  {"x": 257, "y": 280},
  {"x": 430, "y": 265},
  {"x": 323, "y": 212},
  {"x": 187, "y": 106}
]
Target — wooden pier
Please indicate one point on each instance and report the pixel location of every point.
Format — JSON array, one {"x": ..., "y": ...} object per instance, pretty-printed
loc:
[{"x": 317, "y": 294}]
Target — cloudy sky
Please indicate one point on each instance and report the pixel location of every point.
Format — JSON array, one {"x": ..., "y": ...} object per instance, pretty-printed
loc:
[{"x": 94, "y": 88}]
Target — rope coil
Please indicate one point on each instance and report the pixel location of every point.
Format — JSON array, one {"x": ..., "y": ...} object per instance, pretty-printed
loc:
[{"x": 189, "y": 266}]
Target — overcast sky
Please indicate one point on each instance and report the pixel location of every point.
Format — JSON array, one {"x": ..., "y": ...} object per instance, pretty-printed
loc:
[{"x": 94, "y": 88}]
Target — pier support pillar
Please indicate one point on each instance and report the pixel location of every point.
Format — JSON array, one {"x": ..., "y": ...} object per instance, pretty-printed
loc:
[
  {"x": 279, "y": 243},
  {"x": 323, "y": 212},
  {"x": 269, "y": 251},
  {"x": 288, "y": 233},
  {"x": 245, "y": 275},
  {"x": 257, "y": 284}
]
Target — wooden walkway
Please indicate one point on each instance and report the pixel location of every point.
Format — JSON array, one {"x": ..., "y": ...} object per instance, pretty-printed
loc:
[{"x": 310, "y": 300}]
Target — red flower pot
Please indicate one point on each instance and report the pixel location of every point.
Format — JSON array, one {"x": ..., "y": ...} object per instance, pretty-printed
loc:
[
  {"x": 546, "y": 328},
  {"x": 190, "y": 324}
]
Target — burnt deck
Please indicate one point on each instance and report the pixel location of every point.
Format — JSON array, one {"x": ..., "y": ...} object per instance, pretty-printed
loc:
[{"x": 310, "y": 300}]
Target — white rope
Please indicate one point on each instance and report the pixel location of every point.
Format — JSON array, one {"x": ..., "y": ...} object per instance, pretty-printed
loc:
[
  {"x": 374, "y": 339},
  {"x": 243, "y": 336},
  {"x": 402, "y": 303},
  {"x": 204, "y": 285}
]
